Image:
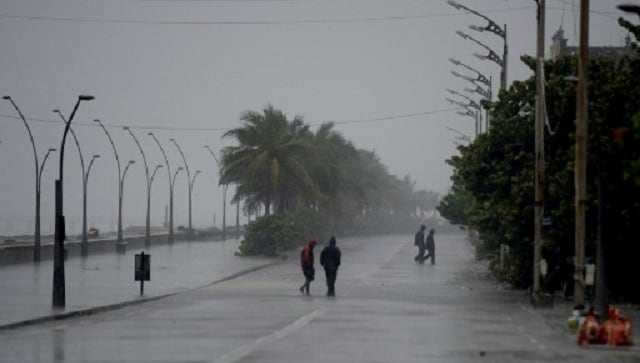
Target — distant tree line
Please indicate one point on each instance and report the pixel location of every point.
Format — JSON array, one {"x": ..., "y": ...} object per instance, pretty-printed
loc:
[
  {"x": 493, "y": 179},
  {"x": 308, "y": 183}
]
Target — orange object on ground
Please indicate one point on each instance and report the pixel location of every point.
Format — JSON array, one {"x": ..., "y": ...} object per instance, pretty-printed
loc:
[
  {"x": 617, "y": 330},
  {"x": 589, "y": 332}
]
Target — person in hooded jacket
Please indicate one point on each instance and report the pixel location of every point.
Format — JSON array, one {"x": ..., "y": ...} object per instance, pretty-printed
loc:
[
  {"x": 330, "y": 260},
  {"x": 306, "y": 263}
]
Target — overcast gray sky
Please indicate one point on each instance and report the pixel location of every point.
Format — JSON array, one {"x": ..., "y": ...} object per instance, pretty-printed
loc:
[{"x": 197, "y": 64}]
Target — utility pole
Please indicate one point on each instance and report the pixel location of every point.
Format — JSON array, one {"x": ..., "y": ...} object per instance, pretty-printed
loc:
[
  {"x": 580, "y": 173},
  {"x": 539, "y": 155}
]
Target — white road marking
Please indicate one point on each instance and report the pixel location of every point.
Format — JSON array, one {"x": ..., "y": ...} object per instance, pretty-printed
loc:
[
  {"x": 244, "y": 350},
  {"x": 395, "y": 251}
]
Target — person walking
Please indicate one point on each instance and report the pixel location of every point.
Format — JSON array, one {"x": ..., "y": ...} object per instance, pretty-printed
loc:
[
  {"x": 419, "y": 242},
  {"x": 430, "y": 245},
  {"x": 306, "y": 262},
  {"x": 330, "y": 260}
]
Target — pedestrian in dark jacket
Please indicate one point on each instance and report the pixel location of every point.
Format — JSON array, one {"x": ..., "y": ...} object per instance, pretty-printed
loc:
[
  {"x": 419, "y": 242},
  {"x": 330, "y": 260},
  {"x": 430, "y": 245},
  {"x": 306, "y": 262}
]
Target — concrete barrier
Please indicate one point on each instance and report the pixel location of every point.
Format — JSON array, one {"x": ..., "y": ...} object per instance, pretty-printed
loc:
[{"x": 17, "y": 253}]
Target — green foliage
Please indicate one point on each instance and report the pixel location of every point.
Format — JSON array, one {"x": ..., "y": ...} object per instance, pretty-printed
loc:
[
  {"x": 270, "y": 235},
  {"x": 322, "y": 179},
  {"x": 493, "y": 177}
]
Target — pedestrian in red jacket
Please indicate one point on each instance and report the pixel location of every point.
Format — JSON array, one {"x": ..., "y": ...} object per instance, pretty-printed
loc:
[{"x": 306, "y": 262}]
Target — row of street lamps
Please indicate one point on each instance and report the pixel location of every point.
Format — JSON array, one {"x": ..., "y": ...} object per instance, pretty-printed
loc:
[
  {"x": 472, "y": 108},
  {"x": 122, "y": 172},
  {"x": 58, "y": 296}
]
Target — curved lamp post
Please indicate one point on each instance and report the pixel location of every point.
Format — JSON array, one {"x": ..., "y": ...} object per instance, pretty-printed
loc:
[
  {"x": 166, "y": 161},
  {"x": 193, "y": 180},
  {"x": 38, "y": 170},
  {"x": 59, "y": 294},
  {"x": 477, "y": 115},
  {"x": 186, "y": 166},
  {"x": 468, "y": 111},
  {"x": 85, "y": 181},
  {"x": 153, "y": 174},
  {"x": 120, "y": 180},
  {"x": 224, "y": 195},
  {"x": 84, "y": 244},
  {"x": 124, "y": 174},
  {"x": 486, "y": 93},
  {"x": 494, "y": 28},
  {"x": 172, "y": 182},
  {"x": 147, "y": 230}
]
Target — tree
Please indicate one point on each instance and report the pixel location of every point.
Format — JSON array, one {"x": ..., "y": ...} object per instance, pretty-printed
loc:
[{"x": 267, "y": 164}]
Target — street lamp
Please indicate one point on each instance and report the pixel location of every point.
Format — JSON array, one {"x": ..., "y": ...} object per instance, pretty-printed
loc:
[
  {"x": 147, "y": 230},
  {"x": 84, "y": 244},
  {"x": 38, "y": 169},
  {"x": 468, "y": 111},
  {"x": 630, "y": 8},
  {"x": 153, "y": 175},
  {"x": 224, "y": 194},
  {"x": 494, "y": 28},
  {"x": 461, "y": 135},
  {"x": 480, "y": 77},
  {"x": 124, "y": 174},
  {"x": 85, "y": 181},
  {"x": 191, "y": 182},
  {"x": 166, "y": 160},
  {"x": 59, "y": 294},
  {"x": 477, "y": 115},
  {"x": 492, "y": 56},
  {"x": 472, "y": 103},
  {"x": 172, "y": 184},
  {"x": 186, "y": 166},
  {"x": 120, "y": 241}
]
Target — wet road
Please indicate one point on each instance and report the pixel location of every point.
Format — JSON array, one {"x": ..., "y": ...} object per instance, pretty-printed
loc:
[{"x": 387, "y": 310}]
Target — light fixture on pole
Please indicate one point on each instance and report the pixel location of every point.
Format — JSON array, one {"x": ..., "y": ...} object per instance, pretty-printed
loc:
[
  {"x": 630, "y": 8},
  {"x": 461, "y": 135},
  {"x": 469, "y": 111},
  {"x": 59, "y": 292},
  {"x": 84, "y": 243},
  {"x": 120, "y": 242},
  {"x": 480, "y": 77},
  {"x": 166, "y": 161},
  {"x": 224, "y": 194},
  {"x": 175, "y": 175},
  {"x": 38, "y": 168},
  {"x": 494, "y": 28},
  {"x": 147, "y": 229},
  {"x": 186, "y": 166}
]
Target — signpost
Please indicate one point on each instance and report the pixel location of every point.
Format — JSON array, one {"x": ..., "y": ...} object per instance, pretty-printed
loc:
[{"x": 142, "y": 269}]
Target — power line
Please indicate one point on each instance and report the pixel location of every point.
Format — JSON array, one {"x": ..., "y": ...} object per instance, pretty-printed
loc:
[
  {"x": 220, "y": 129},
  {"x": 249, "y": 22}
]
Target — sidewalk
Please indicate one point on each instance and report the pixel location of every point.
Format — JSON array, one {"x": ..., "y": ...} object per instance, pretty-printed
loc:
[{"x": 108, "y": 279}]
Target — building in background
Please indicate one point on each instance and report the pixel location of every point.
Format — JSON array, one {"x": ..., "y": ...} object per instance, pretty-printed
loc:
[{"x": 560, "y": 48}]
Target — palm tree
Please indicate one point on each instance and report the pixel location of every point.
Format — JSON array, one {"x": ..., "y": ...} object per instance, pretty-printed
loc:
[{"x": 268, "y": 162}]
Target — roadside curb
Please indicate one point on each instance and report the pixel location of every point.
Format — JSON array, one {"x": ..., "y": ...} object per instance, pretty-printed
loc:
[{"x": 120, "y": 305}]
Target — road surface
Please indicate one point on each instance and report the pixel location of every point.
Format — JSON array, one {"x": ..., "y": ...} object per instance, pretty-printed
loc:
[{"x": 387, "y": 309}]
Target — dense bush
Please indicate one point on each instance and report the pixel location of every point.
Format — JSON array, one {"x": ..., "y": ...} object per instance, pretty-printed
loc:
[{"x": 270, "y": 235}]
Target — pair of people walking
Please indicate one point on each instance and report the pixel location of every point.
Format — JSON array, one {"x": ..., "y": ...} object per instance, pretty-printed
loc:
[
  {"x": 423, "y": 245},
  {"x": 329, "y": 259}
]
